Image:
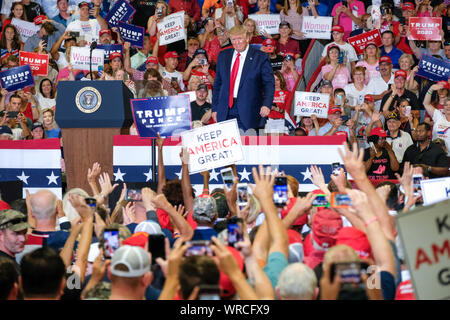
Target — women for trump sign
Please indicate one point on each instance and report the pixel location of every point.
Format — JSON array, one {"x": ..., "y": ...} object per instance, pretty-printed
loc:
[
  {"x": 213, "y": 146},
  {"x": 317, "y": 27},
  {"x": 309, "y": 103}
]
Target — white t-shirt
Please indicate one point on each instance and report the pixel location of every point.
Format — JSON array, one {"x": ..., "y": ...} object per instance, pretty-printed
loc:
[
  {"x": 44, "y": 103},
  {"x": 441, "y": 129},
  {"x": 62, "y": 61},
  {"x": 354, "y": 95},
  {"x": 377, "y": 86},
  {"x": 6, "y": 6},
  {"x": 170, "y": 75},
  {"x": 400, "y": 144},
  {"x": 89, "y": 29}
]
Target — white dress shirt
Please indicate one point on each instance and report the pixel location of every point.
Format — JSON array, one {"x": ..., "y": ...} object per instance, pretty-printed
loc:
[{"x": 241, "y": 65}]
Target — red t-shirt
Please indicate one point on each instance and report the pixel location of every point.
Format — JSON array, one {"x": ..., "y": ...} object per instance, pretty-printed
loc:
[
  {"x": 290, "y": 46},
  {"x": 279, "y": 99}
]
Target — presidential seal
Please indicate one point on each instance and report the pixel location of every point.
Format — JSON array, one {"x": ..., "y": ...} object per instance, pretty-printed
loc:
[{"x": 88, "y": 100}]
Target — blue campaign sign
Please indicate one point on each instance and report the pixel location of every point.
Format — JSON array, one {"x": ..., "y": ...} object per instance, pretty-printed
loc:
[
  {"x": 433, "y": 68},
  {"x": 17, "y": 78},
  {"x": 110, "y": 48},
  {"x": 121, "y": 11},
  {"x": 167, "y": 115},
  {"x": 133, "y": 34}
]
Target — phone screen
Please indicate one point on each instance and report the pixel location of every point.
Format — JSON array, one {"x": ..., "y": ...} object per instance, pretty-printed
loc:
[
  {"x": 234, "y": 234},
  {"x": 341, "y": 200},
  {"x": 156, "y": 246},
  {"x": 199, "y": 248},
  {"x": 133, "y": 195},
  {"x": 242, "y": 193},
  {"x": 350, "y": 272},
  {"x": 336, "y": 168},
  {"x": 111, "y": 242},
  {"x": 280, "y": 191},
  {"x": 208, "y": 292},
  {"x": 417, "y": 178},
  {"x": 341, "y": 57},
  {"x": 227, "y": 177},
  {"x": 320, "y": 201}
]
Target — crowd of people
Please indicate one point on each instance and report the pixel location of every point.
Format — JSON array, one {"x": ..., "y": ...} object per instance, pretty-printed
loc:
[{"x": 396, "y": 125}]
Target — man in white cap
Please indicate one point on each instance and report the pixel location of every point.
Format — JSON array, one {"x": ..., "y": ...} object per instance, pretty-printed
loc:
[{"x": 130, "y": 273}]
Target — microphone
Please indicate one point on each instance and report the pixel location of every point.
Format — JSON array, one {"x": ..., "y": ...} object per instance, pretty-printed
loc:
[{"x": 93, "y": 46}]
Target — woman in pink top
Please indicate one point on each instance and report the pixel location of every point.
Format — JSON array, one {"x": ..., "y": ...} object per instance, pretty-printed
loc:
[
  {"x": 334, "y": 71},
  {"x": 348, "y": 16},
  {"x": 293, "y": 12},
  {"x": 370, "y": 62}
]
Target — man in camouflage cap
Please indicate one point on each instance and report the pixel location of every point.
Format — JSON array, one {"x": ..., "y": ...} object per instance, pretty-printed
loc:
[
  {"x": 205, "y": 214},
  {"x": 13, "y": 233}
]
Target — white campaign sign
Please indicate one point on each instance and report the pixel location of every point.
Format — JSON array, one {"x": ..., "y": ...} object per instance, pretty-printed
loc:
[
  {"x": 79, "y": 58},
  {"x": 425, "y": 236},
  {"x": 213, "y": 146},
  {"x": 317, "y": 28},
  {"x": 309, "y": 103},
  {"x": 25, "y": 28},
  {"x": 171, "y": 29},
  {"x": 266, "y": 22},
  {"x": 435, "y": 190}
]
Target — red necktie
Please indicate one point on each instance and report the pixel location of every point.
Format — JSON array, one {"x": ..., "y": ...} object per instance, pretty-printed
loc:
[{"x": 234, "y": 73}]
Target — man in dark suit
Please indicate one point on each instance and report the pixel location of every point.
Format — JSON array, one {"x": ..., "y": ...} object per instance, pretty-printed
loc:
[{"x": 244, "y": 85}]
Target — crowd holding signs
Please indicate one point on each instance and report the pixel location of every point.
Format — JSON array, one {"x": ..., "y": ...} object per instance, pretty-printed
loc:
[
  {"x": 17, "y": 78},
  {"x": 37, "y": 62},
  {"x": 309, "y": 103},
  {"x": 171, "y": 28}
]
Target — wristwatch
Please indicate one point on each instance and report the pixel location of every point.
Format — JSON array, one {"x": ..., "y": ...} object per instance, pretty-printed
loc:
[{"x": 429, "y": 169}]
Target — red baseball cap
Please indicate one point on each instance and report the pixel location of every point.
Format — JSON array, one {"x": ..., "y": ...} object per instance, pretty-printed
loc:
[
  {"x": 138, "y": 239},
  {"x": 385, "y": 59},
  {"x": 269, "y": 42},
  {"x": 103, "y": 31},
  {"x": 114, "y": 55},
  {"x": 334, "y": 46},
  {"x": 407, "y": 6},
  {"x": 334, "y": 109},
  {"x": 369, "y": 97},
  {"x": 171, "y": 54},
  {"x": 83, "y": 4},
  {"x": 400, "y": 73},
  {"x": 4, "y": 205},
  {"x": 341, "y": 133},
  {"x": 378, "y": 132},
  {"x": 337, "y": 28},
  {"x": 152, "y": 59},
  {"x": 445, "y": 84},
  {"x": 38, "y": 20},
  {"x": 355, "y": 239},
  {"x": 294, "y": 236},
  {"x": 325, "y": 227}
]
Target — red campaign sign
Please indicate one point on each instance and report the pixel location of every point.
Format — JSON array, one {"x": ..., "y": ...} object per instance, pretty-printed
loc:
[
  {"x": 359, "y": 42},
  {"x": 425, "y": 28},
  {"x": 37, "y": 62}
]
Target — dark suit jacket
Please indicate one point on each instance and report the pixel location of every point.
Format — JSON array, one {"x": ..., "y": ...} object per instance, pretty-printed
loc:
[{"x": 256, "y": 87}]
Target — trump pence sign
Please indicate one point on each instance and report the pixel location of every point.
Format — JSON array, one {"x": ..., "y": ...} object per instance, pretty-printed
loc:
[{"x": 213, "y": 146}]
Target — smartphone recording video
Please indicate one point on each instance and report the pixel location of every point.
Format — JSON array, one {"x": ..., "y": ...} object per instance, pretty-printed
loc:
[
  {"x": 199, "y": 248},
  {"x": 227, "y": 177},
  {"x": 133, "y": 195},
  {"x": 208, "y": 292},
  {"x": 340, "y": 200},
  {"x": 156, "y": 246},
  {"x": 336, "y": 168},
  {"x": 280, "y": 191},
  {"x": 91, "y": 202},
  {"x": 320, "y": 201},
  {"x": 417, "y": 178},
  {"x": 110, "y": 242},
  {"x": 350, "y": 272},
  {"x": 242, "y": 194},
  {"x": 235, "y": 233}
]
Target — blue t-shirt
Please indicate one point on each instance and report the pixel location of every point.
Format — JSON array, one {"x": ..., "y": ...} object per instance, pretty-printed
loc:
[
  {"x": 53, "y": 133},
  {"x": 204, "y": 234},
  {"x": 276, "y": 262},
  {"x": 395, "y": 54}
]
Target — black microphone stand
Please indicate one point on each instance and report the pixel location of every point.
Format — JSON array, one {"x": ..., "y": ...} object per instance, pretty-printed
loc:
[{"x": 93, "y": 46}]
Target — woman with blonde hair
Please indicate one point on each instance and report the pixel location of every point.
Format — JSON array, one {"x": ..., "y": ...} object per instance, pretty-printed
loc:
[
  {"x": 370, "y": 61},
  {"x": 293, "y": 12},
  {"x": 406, "y": 62},
  {"x": 252, "y": 31}
]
